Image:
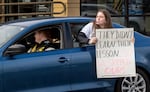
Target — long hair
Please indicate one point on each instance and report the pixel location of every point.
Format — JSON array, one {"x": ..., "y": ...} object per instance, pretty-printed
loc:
[{"x": 107, "y": 17}]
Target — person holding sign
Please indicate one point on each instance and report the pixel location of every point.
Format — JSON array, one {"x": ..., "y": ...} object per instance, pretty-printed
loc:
[
  {"x": 88, "y": 35},
  {"x": 115, "y": 55}
]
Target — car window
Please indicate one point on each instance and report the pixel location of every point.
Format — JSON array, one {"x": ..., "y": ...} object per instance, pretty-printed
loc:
[
  {"x": 55, "y": 32},
  {"x": 7, "y": 32},
  {"x": 75, "y": 29},
  {"x": 55, "y": 36}
]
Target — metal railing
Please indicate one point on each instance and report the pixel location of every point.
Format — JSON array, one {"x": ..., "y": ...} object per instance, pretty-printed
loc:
[{"x": 8, "y": 13}]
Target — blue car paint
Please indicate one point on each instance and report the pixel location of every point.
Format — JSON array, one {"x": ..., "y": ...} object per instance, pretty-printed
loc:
[{"x": 21, "y": 73}]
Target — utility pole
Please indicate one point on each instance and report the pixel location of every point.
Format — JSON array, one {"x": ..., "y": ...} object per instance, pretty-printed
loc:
[{"x": 126, "y": 2}]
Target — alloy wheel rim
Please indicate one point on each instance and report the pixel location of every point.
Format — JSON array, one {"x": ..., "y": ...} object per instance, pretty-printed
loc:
[{"x": 133, "y": 84}]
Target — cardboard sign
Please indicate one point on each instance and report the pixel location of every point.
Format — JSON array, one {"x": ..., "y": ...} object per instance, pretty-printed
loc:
[{"x": 115, "y": 56}]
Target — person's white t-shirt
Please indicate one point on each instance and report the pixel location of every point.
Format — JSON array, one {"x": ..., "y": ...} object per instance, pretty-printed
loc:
[{"x": 88, "y": 30}]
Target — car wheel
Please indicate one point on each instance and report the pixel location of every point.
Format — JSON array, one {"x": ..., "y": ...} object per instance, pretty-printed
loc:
[
  {"x": 139, "y": 83},
  {"x": 135, "y": 26}
]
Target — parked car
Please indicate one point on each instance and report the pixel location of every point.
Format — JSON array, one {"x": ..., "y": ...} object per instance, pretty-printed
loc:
[{"x": 67, "y": 68}]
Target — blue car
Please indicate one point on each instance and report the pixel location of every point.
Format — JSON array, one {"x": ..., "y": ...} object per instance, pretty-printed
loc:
[{"x": 69, "y": 67}]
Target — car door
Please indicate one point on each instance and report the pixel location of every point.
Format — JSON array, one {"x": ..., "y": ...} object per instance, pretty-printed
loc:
[
  {"x": 36, "y": 71},
  {"x": 82, "y": 64},
  {"x": 39, "y": 71},
  {"x": 82, "y": 69}
]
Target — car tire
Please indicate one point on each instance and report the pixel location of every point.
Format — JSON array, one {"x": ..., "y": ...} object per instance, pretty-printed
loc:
[
  {"x": 135, "y": 26},
  {"x": 134, "y": 84}
]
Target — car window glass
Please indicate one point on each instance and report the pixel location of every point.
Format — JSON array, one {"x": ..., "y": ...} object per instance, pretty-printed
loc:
[
  {"x": 7, "y": 32},
  {"x": 75, "y": 29},
  {"x": 28, "y": 40},
  {"x": 55, "y": 37}
]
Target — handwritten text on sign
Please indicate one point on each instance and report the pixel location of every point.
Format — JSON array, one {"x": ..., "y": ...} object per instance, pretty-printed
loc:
[{"x": 115, "y": 53}]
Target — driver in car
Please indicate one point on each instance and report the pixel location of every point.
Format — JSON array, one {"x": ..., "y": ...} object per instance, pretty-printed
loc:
[{"x": 43, "y": 42}]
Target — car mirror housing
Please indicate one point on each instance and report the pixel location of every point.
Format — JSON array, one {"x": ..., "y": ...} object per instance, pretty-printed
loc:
[{"x": 15, "y": 49}]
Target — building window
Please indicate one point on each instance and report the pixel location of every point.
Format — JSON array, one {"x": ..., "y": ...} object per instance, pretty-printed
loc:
[
  {"x": 16, "y": 9},
  {"x": 131, "y": 13}
]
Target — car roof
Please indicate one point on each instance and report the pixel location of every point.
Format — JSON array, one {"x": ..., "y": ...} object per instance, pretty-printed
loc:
[
  {"x": 35, "y": 21},
  {"x": 30, "y": 22}
]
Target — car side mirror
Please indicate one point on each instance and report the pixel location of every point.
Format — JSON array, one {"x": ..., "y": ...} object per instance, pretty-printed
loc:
[{"x": 15, "y": 49}]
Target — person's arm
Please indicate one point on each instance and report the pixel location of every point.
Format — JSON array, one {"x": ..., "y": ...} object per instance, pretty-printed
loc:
[
  {"x": 49, "y": 48},
  {"x": 84, "y": 34},
  {"x": 82, "y": 38}
]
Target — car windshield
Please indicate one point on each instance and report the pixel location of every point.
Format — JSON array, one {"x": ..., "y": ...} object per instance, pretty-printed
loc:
[{"x": 7, "y": 32}]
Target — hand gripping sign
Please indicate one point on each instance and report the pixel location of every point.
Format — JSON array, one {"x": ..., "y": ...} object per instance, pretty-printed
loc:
[{"x": 115, "y": 56}]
